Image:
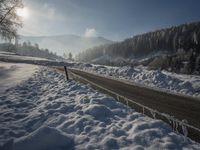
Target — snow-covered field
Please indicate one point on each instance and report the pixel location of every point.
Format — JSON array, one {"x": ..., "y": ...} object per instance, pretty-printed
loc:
[
  {"x": 46, "y": 112},
  {"x": 12, "y": 74},
  {"x": 10, "y": 55},
  {"x": 160, "y": 80}
]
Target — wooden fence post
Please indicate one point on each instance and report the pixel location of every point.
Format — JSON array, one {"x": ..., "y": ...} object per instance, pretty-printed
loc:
[{"x": 67, "y": 77}]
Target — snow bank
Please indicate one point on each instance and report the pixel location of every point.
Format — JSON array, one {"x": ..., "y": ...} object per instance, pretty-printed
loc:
[
  {"x": 162, "y": 80},
  {"x": 12, "y": 74},
  {"x": 48, "y": 113}
]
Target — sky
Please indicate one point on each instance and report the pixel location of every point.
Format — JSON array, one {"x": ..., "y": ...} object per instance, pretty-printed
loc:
[{"x": 112, "y": 19}]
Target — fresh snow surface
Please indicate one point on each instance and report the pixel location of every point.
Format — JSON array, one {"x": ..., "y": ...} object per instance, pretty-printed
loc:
[
  {"x": 12, "y": 74},
  {"x": 46, "y": 112},
  {"x": 161, "y": 80}
]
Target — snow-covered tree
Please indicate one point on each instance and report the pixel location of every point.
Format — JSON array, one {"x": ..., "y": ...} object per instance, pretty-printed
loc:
[
  {"x": 9, "y": 20},
  {"x": 70, "y": 56}
]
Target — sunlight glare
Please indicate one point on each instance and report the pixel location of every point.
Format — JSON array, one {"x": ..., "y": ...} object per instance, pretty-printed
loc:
[{"x": 22, "y": 12}]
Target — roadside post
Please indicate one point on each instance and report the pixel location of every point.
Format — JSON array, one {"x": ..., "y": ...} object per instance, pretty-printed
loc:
[{"x": 67, "y": 77}]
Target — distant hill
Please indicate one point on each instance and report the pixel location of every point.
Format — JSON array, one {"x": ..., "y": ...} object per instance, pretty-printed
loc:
[
  {"x": 175, "y": 49},
  {"x": 65, "y": 43}
]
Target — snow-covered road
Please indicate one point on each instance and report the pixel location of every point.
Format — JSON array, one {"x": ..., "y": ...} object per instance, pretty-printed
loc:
[{"x": 45, "y": 112}]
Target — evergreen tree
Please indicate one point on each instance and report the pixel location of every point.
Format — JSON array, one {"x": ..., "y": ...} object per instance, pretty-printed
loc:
[{"x": 70, "y": 56}]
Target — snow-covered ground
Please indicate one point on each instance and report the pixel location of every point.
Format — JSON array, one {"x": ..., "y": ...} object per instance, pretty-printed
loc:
[
  {"x": 161, "y": 80},
  {"x": 14, "y": 58},
  {"x": 10, "y": 55},
  {"x": 46, "y": 112},
  {"x": 12, "y": 74}
]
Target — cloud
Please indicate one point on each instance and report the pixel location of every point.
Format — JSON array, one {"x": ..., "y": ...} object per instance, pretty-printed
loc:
[
  {"x": 50, "y": 12},
  {"x": 90, "y": 32}
]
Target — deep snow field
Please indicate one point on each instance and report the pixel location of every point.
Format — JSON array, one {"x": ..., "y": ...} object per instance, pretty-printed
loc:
[
  {"x": 161, "y": 80},
  {"x": 46, "y": 112}
]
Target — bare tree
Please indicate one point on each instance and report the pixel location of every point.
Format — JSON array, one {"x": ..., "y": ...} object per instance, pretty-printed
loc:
[{"x": 9, "y": 20}]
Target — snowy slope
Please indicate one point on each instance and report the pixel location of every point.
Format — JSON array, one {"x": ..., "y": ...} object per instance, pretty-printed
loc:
[
  {"x": 161, "y": 80},
  {"x": 4, "y": 54},
  {"x": 46, "y": 112},
  {"x": 12, "y": 74}
]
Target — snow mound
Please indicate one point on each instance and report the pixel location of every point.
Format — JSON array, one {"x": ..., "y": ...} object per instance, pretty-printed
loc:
[
  {"x": 45, "y": 138},
  {"x": 47, "y": 112},
  {"x": 99, "y": 111}
]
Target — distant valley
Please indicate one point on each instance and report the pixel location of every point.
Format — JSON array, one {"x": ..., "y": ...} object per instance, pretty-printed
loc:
[{"x": 65, "y": 43}]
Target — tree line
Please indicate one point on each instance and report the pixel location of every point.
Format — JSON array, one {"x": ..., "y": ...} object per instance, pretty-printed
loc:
[
  {"x": 182, "y": 44},
  {"x": 28, "y": 49}
]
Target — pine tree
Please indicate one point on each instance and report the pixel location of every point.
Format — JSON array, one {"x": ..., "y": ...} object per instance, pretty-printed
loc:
[{"x": 70, "y": 56}]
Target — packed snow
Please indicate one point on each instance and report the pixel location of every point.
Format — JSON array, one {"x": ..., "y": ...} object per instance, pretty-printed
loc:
[
  {"x": 160, "y": 80},
  {"x": 46, "y": 112},
  {"x": 12, "y": 74}
]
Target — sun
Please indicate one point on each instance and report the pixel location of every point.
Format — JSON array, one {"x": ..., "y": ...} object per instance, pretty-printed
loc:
[{"x": 22, "y": 12}]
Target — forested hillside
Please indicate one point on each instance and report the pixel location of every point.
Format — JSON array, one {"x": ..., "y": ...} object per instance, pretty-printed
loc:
[
  {"x": 178, "y": 48},
  {"x": 27, "y": 49}
]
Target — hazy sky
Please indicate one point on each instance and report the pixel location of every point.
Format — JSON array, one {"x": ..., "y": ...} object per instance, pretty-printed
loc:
[{"x": 112, "y": 19}]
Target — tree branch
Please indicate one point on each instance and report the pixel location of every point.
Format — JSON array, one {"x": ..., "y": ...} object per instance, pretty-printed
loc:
[{"x": 7, "y": 13}]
